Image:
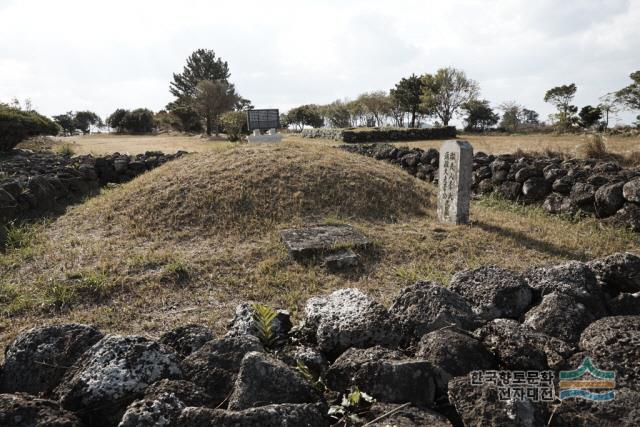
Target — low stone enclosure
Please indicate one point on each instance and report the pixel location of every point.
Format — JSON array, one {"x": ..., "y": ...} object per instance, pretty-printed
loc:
[
  {"x": 439, "y": 356},
  {"x": 33, "y": 184},
  {"x": 380, "y": 134},
  {"x": 572, "y": 187}
]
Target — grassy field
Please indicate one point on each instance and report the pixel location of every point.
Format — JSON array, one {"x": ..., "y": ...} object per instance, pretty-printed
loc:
[
  {"x": 134, "y": 144},
  {"x": 169, "y": 143},
  {"x": 188, "y": 241}
]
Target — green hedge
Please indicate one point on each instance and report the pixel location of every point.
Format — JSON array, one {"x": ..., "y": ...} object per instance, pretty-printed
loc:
[
  {"x": 355, "y": 135},
  {"x": 17, "y": 125}
]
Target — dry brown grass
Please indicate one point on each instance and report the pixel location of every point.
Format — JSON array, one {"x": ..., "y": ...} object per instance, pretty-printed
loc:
[
  {"x": 165, "y": 249},
  {"x": 98, "y": 144}
]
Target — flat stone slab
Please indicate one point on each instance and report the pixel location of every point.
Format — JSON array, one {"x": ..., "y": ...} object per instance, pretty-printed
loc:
[{"x": 322, "y": 240}]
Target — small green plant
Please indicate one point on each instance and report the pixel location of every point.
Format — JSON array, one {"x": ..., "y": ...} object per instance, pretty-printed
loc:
[
  {"x": 353, "y": 405},
  {"x": 176, "y": 271},
  {"x": 316, "y": 382},
  {"x": 18, "y": 236},
  {"x": 66, "y": 150},
  {"x": 263, "y": 319}
]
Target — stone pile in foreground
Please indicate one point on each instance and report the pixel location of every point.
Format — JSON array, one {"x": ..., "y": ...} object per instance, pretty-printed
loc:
[{"x": 414, "y": 358}]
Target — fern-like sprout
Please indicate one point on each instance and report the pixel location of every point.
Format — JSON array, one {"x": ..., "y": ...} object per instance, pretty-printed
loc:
[{"x": 263, "y": 318}]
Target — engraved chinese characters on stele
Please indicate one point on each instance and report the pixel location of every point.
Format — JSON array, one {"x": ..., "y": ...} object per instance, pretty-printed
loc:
[{"x": 454, "y": 192}]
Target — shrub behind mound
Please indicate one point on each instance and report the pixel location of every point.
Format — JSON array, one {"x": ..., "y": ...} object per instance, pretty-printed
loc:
[
  {"x": 17, "y": 125},
  {"x": 249, "y": 187}
]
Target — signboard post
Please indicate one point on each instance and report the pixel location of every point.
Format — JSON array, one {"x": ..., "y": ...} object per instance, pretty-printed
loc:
[{"x": 265, "y": 119}]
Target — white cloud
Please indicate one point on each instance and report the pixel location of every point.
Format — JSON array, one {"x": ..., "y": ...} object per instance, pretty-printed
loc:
[{"x": 73, "y": 54}]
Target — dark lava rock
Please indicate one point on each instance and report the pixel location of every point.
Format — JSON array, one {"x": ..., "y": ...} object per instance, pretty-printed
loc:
[
  {"x": 493, "y": 292},
  {"x": 215, "y": 365},
  {"x": 609, "y": 199},
  {"x": 573, "y": 278},
  {"x": 526, "y": 173},
  {"x": 619, "y": 272},
  {"x": 480, "y": 406},
  {"x": 622, "y": 411},
  {"x": 510, "y": 190},
  {"x": 627, "y": 217},
  {"x": 243, "y": 323},
  {"x": 409, "y": 416},
  {"x": 556, "y": 203},
  {"x": 189, "y": 393},
  {"x": 187, "y": 339},
  {"x": 347, "y": 318},
  {"x": 485, "y": 186},
  {"x": 563, "y": 185},
  {"x": 425, "y": 306},
  {"x": 553, "y": 173},
  {"x": 559, "y": 315},
  {"x": 456, "y": 352},
  {"x": 519, "y": 347},
  {"x": 161, "y": 410},
  {"x": 386, "y": 375},
  {"x": 112, "y": 373},
  {"x": 613, "y": 343},
  {"x": 264, "y": 380},
  {"x": 37, "y": 359},
  {"x": 535, "y": 188},
  {"x": 583, "y": 195},
  {"x": 625, "y": 305},
  {"x": 24, "y": 410},
  {"x": 310, "y": 357},
  {"x": 286, "y": 414}
]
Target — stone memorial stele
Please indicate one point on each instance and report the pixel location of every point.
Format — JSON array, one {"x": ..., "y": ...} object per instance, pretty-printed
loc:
[{"x": 454, "y": 181}]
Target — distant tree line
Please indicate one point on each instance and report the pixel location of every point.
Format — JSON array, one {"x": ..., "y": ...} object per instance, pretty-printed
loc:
[{"x": 449, "y": 93}]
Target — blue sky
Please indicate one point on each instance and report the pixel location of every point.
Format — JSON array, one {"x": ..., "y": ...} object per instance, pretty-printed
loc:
[{"x": 74, "y": 55}]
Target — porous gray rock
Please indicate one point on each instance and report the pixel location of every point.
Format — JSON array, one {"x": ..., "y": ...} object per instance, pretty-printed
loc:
[
  {"x": 426, "y": 306},
  {"x": 347, "y": 318},
  {"x": 613, "y": 343},
  {"x": 519, "y": 347},
  {"x": 243, "y": 323},
  {"x": 609, "y": 199},
  {"x": 556, "y": 203},
  {"x": 37, "y": 359},
  {"x": 619, "y": 272},
  {"x": 162, "y": 410},
  {"x": 480, "y": 406},
  {"x": 214, "y": 366},
  {"x": 552, "y": 173},
  {"x": 112, "y": 373},
  {"x": 631, "y": 190},
  {"x": 187, "y": 338},
  {"x": 527, "y": 172},
  {"x": 493, "y": 292},
  {"x": 485, "y": 186},
  {"x": 189, "y": 393},
  {"x": 627, "y": 217},
  {"x": 559, "y": 315},
  {"x": 25, "y": 410},
  {"x": 409, "y": 416},
  {"x": 573, "y": 278},
  {"x": 622, "y": 411},
  {"x": 286, "y": 414},
  {"x": 264, "y": 380},
  {"x": 309, "y": 356},
  {"x": 456, "y": 352},
  {"x": 386, "y": 375}
]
